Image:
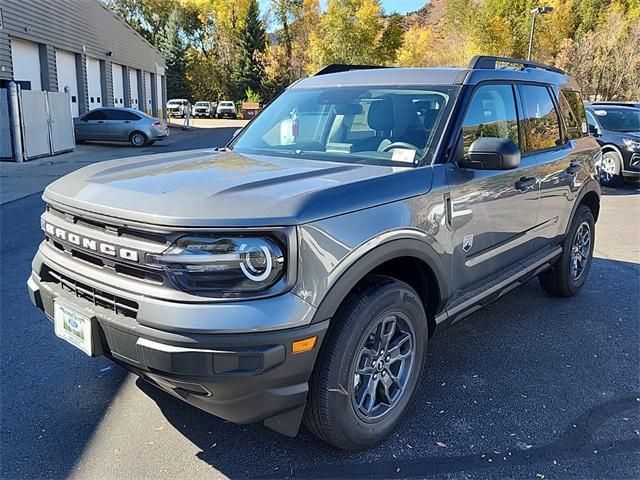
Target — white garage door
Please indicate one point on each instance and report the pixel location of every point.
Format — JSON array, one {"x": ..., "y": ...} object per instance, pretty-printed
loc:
[
  {"x": 147, "y": 89},
  {"x": 118, "y": 85},
  {"x": 133, "y": 87},
  {"x": 25, "y": 58},
  {"x": 94, "y": 83},
  {"x": 66, "y": 66}
]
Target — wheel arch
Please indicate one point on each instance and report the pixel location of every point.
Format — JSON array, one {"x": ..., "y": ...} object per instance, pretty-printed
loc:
[
  {"x": 410, "y": 260},
  {"x": 589, "y": 196}
]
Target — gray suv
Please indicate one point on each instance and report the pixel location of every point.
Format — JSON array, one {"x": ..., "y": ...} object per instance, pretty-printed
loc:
[{"x": 298, "y": 274}]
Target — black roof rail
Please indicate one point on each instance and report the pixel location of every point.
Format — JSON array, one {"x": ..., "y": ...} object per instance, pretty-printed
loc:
[
  {"x": 489, "y": 62},
  {"x": 343, "y": 67}
]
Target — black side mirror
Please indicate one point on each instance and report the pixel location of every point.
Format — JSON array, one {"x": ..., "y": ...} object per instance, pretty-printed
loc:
[
  {"x": 490, "y": 153},
  {"x": 593, "y": 131}
]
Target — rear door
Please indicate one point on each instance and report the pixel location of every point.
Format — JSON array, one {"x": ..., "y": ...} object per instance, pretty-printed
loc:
[
  {"x": 492, "y": 211},
  {"x": 559, "y": 152},
  {"x": 120, "y": 124},
  {"x": 92, "y": 126}
]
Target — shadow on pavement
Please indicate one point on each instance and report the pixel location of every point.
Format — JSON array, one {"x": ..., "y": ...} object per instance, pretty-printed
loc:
[
  {"x": 623, "y": 190},
  {"x": 531, "y": 382}
]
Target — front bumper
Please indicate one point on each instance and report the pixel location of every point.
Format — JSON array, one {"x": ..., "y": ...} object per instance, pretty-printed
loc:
[{"x": 240, "y": 377}]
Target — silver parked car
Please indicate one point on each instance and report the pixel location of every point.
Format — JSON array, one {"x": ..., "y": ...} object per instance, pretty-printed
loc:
[{"x": 120, "y": 125}]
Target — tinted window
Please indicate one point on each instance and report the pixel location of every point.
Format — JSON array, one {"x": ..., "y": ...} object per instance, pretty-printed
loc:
[
  {"x": 121, "y": 115},
  {"x": 97, "y": 115},
  {"x": 491, "y": 113},
  {"x": 572, "y": 110},
  {"x": 540, "y": 119}
]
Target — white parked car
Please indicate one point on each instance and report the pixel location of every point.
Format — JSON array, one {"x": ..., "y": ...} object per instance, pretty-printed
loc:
[
  {"x": 175, "y": 107},
  {"x": 226, "y": 108},
  {"x": 203, "y": 109}
]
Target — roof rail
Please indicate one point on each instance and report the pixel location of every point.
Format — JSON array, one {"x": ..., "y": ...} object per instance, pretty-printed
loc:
[
  {"x": 489, "y": 62},
  {"x": 343, "y": 67}
]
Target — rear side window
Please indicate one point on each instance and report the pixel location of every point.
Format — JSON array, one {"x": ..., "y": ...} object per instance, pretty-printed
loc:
[
  {"x": 491, "y": 113},
  {"x": 121, "y": 115},
  {"x": 572, "y": 110},
  {"x": 97, "y": 115},
  {"x": 540, "y": 120}
]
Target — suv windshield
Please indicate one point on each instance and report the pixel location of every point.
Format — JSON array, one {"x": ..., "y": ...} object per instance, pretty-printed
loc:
[
  {"x": 226, "y": 104},
  {"x": 202, "y": 104},
  {"x": 374, "y": 125},
  {"x": 619, "y": 119}
]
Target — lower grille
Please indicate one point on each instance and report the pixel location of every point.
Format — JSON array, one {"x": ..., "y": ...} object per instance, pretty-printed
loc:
[{"x": 99, "y": 298}]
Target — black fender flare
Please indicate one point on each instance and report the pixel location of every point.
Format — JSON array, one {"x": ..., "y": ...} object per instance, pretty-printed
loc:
[
  {"x": 592, "y": 185},
  {"x": 404, "y": 247}
]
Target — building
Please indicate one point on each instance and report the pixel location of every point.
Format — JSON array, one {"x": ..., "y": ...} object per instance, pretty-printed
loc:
[{"x": 82, "y": 45}]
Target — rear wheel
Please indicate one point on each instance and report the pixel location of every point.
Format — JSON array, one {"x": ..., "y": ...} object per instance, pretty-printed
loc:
[
  {"x": 610, "y": 171},
  {"x": 369, "y": 365},
  {"x": 567, "y": 276},
  {"x": 138, "y": 139}
]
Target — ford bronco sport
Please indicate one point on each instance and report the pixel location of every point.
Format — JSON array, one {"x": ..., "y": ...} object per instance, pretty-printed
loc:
[{"x": 299, "y": 273}]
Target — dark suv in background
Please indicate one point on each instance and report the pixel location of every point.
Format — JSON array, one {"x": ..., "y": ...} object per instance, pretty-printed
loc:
[
  {"x": 299, "y": 273},
  {"x": 616, "y": 127}
]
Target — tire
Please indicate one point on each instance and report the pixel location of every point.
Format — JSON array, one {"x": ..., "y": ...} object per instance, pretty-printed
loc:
[
  {"x": 138, "y": 139},
  {"x": 336, "y": 388},
  {"x": 561, "y": 280},
  {"x": 610, "y": 172}
]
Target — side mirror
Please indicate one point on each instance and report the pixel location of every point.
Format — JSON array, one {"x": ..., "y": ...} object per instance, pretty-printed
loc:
[
  {"x": 490, "y": 153},
  {"x": 593, "y": 131},
  {"x": 235, "y": 134}
]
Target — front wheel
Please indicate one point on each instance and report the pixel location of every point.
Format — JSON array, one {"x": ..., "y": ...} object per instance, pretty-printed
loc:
[
  {"x": 369, "y": 365},
  {"x": 610, "y": 171},
  {"x": 566, "y": 277}
]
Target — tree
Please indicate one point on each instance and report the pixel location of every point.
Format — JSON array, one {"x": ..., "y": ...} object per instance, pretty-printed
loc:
[
  {"x": 174, "y": 51},
  {"x": 150, "y": 18},
  {"x": 248, "y": 66},
  {"x": 356, "y": 32}
]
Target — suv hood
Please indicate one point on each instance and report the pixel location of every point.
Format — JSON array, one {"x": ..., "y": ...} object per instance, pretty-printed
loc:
[{"x": 206, "y": 188}]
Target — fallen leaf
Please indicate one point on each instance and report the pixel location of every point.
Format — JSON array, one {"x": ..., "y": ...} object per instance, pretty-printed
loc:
[{"x": 441, "y": 444}]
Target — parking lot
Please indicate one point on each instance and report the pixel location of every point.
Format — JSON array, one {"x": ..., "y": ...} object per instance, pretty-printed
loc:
[{"x": 530, "y": 387}]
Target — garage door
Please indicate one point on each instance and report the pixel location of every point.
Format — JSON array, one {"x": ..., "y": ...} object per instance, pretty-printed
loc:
[
  {"x": 161, "y": 106},
  {"x": 94, "y": 83},
  {"x": 25, "y": 58},
  {"x": 133, "y": 87},
  {"x": 147, "y": 89},
  {"x": 118, "y": 85},
  {"x": 66, "y": 67}
]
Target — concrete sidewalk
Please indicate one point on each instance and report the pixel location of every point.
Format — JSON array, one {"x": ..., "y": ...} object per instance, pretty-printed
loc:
[{"x": 19, "y": 180}]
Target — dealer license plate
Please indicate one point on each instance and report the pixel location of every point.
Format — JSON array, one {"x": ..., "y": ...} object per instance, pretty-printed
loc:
[{"x": 72, "y": 326}]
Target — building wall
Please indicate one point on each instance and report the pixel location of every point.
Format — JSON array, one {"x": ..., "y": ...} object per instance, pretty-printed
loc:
[{"x": 85, "y": 28}]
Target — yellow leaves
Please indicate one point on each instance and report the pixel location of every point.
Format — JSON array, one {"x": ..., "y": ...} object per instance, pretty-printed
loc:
[{"x": 417, "y": 49}]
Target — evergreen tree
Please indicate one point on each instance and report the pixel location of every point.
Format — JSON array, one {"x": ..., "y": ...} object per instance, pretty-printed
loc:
[
  {"x": 248, "y": 65},
  {"x": 175, "y": 54}
]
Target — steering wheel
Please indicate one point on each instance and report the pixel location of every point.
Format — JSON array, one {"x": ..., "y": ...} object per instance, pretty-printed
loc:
[{"x": 399, "y": 145}]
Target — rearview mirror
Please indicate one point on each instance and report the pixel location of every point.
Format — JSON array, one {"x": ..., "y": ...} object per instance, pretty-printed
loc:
[
  {"x": 593, "y": 130},
  {"x": 490, "y": 153},
  {"x": 348, "y": 109}
]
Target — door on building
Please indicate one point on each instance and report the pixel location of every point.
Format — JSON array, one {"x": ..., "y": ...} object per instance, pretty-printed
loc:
[
  {"x": 118, "y": 85},
  {"x": 67, "y": 77},
  {"x": 25, "y": 59},
  {"x": 133, "y": 88},
  {"x": 94, "y": 83}
]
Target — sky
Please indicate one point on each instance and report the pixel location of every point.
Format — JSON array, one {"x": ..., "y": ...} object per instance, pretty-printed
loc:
[{"x": 389, "y": 6}]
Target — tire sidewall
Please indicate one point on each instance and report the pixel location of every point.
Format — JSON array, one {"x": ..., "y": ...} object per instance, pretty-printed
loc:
[
  {"x": 136, "y": 134},
  {"x": 355, "y": 429},
  {"x": 583, "y": 214}
]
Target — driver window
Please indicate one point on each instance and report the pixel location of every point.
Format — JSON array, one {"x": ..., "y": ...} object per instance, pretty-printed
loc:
[{"x": 491, "y": 113}]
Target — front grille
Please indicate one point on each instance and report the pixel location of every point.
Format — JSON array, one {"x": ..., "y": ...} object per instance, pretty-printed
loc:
[{"x": 90, "y": 295}]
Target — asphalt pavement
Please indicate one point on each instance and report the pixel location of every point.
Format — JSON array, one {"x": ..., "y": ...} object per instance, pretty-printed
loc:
[{"x": 530, "y": 387}]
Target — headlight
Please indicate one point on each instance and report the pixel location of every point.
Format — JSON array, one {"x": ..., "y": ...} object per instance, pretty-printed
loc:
[
  {"x": 226, "y": 266},
  {"x": 631, "y": 144}
]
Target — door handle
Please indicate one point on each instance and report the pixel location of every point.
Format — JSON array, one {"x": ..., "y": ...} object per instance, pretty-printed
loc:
[
  {"x": 525, "y": 183},
  {"x": 574, "y": 167},
  {"x": 100, "y": 121},
  {"x": 127, "y": 121}
]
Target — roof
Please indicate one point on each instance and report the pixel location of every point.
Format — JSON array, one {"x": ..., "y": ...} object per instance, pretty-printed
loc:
[{"x": 434, "y": 76}]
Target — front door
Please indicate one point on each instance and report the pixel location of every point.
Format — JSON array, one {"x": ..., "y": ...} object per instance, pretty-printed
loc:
[
  {"x": 92, "y": 126},
  {"x": 492, "y": 211}
]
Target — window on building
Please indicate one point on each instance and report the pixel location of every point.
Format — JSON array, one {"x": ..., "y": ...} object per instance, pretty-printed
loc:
[
  {"x": 491, "y": 113},
  {"x": 540, "y": 120}
]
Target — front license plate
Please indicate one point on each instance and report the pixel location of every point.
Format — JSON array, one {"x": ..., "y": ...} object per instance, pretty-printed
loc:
[{"x": 72, "y": 326}]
